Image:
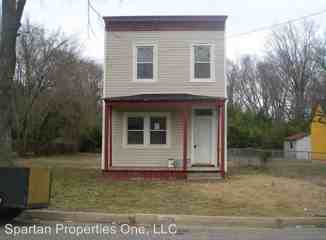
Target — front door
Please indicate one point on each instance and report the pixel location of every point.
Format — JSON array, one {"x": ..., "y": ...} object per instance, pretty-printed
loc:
[{"x": 202, "y": 139}]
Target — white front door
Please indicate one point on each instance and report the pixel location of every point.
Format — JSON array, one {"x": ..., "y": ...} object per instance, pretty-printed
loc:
[{"x": 202, "y": 139}]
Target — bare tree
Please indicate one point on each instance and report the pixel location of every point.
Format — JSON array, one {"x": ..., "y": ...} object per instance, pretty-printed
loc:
[
  {"x": 250, "y": 90},
  {"x": 37, "y": 56},
  {"x": 275, "y": 91},
  {"x": 232, "y": 77},
  {"x": 321, "y": 53},
  {"x": 292, "y": 52},
  {"x": 319, "y": 88},
  {"x": 56, "y": 92},
  {"x": 11, "y": 15}
]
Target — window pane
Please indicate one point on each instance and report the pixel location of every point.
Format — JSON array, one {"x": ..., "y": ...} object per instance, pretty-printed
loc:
[
  {"x": 135, "y": 123},
  {"x": 202, "y": 53},
  {"x": 204, "y": 112},
  {"x": 144, "y": 71},
  {"x": 202, "y": 70},
  {"x": 145, "y": 54},
  {"x": 135, "y": 137},
  {"x": 158, "y": 123},
  {"x": 158, "y": 137}
]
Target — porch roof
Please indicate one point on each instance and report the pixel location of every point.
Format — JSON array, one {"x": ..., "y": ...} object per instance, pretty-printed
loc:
[{"x": 165, "y": 97}]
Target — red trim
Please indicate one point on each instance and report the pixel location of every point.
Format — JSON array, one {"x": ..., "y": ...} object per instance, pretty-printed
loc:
[
  {"x": 106, "y": 139},
  {"x": 222, "y": 141},
  {"x": 110, "y": 134},
  {"x": 153, "y": 169},
  {"x": 165, "y": 23},
  {"x": 166, "y": 18},
  {"x": 218, "y": 134},
  {"x": 145, "y": 174},
  {"x": 163, "y": 104},
  {"x": 185, "y": 138},
  {"x": 154, "y": 26},
  {"x": 137, "y": 168}
]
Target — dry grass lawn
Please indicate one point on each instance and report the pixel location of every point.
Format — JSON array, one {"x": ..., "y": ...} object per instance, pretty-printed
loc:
[
  {"x": 296, "y": 189},
  {"x": 79, "y": 161}
]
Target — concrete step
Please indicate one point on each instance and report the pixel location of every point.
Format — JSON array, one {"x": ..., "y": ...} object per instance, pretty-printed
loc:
[
  {"x": 203, "y": 169},
  {"x": 198, "y": 176}
]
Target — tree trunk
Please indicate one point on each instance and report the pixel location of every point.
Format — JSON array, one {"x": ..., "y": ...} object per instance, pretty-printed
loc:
[
  {"x": 299, "y": 105},
  {"x": 11, "y": 16}
]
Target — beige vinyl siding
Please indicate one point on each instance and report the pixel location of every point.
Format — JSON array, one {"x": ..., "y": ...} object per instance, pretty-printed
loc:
[
  {"x": 147, "y": 156},
  {"x": 174, "y": 63}
]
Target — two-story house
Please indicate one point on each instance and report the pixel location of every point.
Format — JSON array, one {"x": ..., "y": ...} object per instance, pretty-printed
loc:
[{"x": 164, "y": 96}]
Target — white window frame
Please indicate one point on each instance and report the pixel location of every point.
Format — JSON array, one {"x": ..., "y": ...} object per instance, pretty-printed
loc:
[
  {"x": 142, "y": 80},
  {"x": 147, "y": 130},
  {"x": 127, "y": 130},
  {"x": 212, "y": 63}
]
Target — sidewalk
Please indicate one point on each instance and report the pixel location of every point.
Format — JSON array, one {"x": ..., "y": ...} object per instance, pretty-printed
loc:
[{"x": 149, "y": 219}]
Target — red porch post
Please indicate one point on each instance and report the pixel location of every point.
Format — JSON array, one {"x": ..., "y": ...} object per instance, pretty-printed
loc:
[
  {"x": 106, "y": 135},
  {"x": 110, "y": 134},
  {"x": 218, "y": 137},
  {"x": 222, "y": 130},
  {"x": 185, "y": 138}
]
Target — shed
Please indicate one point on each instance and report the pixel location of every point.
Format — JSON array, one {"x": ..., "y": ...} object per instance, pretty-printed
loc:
[{"x": 297, "y": 147}]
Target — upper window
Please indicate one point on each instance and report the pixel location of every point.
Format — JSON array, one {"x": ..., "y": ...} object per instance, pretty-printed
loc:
[
  {"x": 202, "y": 62},
  {"x": 145, "y": 62}
]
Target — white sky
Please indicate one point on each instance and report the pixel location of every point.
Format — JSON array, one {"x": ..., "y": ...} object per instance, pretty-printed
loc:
[{"x": 244, "y": 16}]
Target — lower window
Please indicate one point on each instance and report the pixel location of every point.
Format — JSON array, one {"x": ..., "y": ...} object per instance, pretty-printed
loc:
[
  {"x": 158, "y": 130},
  {"x": 147, "y": 129},
  {"x": 135, "y": 130}
]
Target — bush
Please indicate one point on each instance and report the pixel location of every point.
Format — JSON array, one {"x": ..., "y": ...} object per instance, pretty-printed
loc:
[
  {"x": 265, "y": 157},
  {"x": 248, "y": 129},
  {"x": 90, "y": 140},
  {"x": 58, "y": 146}
]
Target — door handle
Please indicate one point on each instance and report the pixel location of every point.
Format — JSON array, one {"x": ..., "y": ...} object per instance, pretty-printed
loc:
[{"x": 195, "y": 146}]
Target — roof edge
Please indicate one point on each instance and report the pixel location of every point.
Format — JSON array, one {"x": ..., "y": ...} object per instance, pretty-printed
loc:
[
  {"x": 165, "y": 23},
  {"x": 297, "y": 136},
  {"x": 164, "y": 98},
  {"x": 166, "y": 18}
]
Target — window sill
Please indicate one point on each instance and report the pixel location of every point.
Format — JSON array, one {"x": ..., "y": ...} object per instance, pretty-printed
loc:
[
  {"x": 144, "y": 80},
  {"x": 146, "y": 146},
  {"x": 203, "y": 80}
]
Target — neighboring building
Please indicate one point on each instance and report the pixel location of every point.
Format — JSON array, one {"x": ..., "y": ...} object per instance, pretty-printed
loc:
[
  {"x": 297, "y": 147},
  {"x": 311, "y": 147},
  {"x": 318, "y": 134},
  {"x": 164, "y": 96}
]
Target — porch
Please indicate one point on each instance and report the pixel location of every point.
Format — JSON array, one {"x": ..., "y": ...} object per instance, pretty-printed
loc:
[{"x": 193, "y": 141}]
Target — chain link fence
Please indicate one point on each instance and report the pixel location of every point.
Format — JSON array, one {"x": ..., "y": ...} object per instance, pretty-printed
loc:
[{"x": 238, "y": 157}]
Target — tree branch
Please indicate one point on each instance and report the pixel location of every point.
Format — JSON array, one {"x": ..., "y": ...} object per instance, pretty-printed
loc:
[{"x": 19, "y": 12}]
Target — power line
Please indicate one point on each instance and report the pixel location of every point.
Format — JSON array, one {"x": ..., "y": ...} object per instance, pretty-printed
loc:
[
  {"x": 278, "y": 24},
  {"x": 99, "y": 18},
  {"x": 97, "y": 13},
  {"x": 92, "y": 9}
]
